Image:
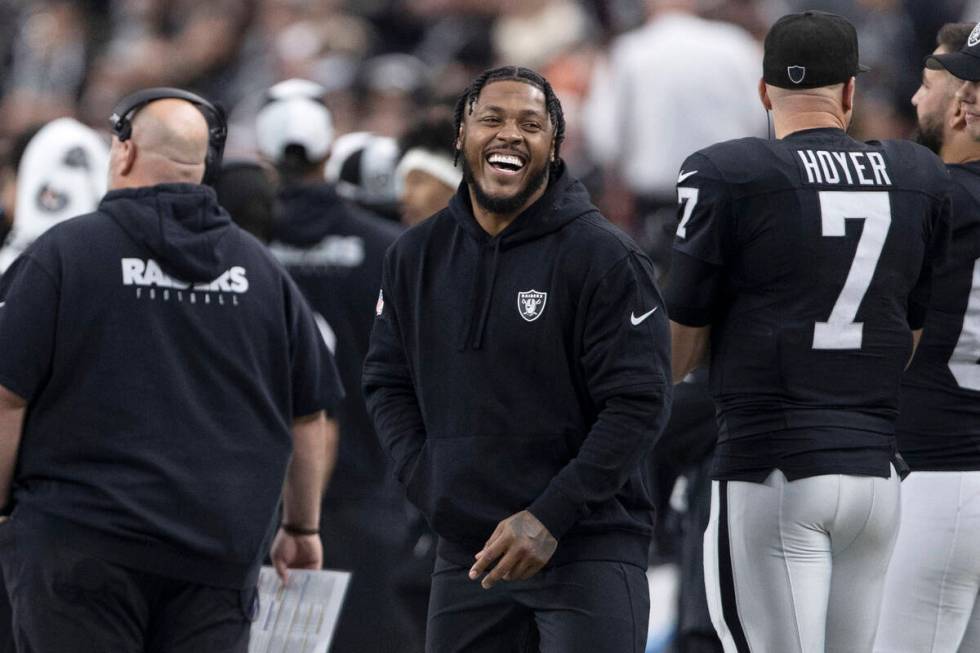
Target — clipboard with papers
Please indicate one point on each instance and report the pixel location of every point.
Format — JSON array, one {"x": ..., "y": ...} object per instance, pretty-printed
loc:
[{"x": 301, "y": 616}]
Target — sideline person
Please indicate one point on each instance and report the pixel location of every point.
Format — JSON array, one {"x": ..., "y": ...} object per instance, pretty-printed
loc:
[{"x": 517, "y": 376}]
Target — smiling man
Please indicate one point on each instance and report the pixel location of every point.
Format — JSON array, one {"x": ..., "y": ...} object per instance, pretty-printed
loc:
[{"x": 518, "y": 373}]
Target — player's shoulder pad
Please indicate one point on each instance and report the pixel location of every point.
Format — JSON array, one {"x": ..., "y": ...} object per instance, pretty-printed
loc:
[
  {"x": 736, "y": 152},
  {"x": 914, "y": 165},
  {"x": 731, "y": 160},
  {"x": 740, "y": 167}
]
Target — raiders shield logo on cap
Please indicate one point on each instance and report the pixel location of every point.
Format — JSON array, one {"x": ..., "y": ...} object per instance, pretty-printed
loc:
[
  {"x": 531, "y": 303},
  {"x": 796, "y": 73},
  {"x": 974, "y": 36}
]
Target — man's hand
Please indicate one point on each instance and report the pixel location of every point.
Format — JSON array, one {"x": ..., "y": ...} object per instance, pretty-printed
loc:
[
  {"x": 522, "y": 545},
  {"x": 295, "y": 552}
]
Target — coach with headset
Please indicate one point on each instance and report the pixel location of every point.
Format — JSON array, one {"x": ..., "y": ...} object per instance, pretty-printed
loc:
[{"x": 162, "y": 382}]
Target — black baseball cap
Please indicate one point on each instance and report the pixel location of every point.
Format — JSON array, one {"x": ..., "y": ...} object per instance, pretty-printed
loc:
[
  {"x": 964, "y": 64},
  {"x": 810, "y": 49}
]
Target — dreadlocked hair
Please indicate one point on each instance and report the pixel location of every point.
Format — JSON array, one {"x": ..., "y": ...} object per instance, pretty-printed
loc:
[{"x": 515, "y": 74}]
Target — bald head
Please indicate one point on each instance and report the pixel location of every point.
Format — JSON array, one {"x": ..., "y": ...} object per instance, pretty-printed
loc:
[{"x": 169, "y": 144}]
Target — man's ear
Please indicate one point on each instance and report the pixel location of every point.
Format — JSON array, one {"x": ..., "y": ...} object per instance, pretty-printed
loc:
[
  {"x": 764, "y": 95},
  {"x": 957, "y": 117},
  {"x": 127, "y": 157},
  {"x": 847, "y": 94}
]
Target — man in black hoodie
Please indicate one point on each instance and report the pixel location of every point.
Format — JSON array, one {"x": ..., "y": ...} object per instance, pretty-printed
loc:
[
  {"x": 334, "y": 250},
  {"x": 518, "y": 374},
  {"x": 159, "y": 370}
]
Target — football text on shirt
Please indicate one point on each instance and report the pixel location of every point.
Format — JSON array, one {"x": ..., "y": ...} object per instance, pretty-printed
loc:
[
  {"x": 332, "y": 251},
  {"x": 137, "y": 272},
  {"x": 847, "y": 168}
]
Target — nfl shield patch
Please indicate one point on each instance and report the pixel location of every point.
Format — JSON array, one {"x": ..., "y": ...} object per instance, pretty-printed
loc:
[{"x": 531, "y": 303}]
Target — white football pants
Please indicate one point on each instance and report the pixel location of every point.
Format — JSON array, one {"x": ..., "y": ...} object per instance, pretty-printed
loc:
[
  {"x": 799, "y": 566},
  {"x": 930, "y": 603}
]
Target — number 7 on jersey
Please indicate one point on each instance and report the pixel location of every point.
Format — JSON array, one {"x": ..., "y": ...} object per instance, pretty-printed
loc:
[{"x": 840, "y": 331}]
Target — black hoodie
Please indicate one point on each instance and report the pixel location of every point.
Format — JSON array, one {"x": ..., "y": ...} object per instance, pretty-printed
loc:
[
  {"x": 530, "y": 370},
  {"x": 163, "y": 353},
  {"x": 334, "y": 250}
]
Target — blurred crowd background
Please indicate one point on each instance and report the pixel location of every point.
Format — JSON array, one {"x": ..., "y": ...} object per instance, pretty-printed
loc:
[{"x": 636, "y": 82}]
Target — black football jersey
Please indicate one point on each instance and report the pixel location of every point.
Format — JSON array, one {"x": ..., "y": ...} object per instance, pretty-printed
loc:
[
  {"x": 823, "y": 248},
  {"x": 939, "y": 421}
]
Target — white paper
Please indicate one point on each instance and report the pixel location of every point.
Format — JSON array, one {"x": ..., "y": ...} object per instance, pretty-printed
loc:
[{"x": 300, "y": 617}]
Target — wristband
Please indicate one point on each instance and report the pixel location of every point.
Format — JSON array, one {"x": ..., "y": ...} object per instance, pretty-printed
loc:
[{"x": 298, "y": 530}]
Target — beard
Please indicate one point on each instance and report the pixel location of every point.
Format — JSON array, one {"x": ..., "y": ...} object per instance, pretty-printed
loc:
[
  {"x": 508, "y": 204},
  {"x": 930, "y": 134}
]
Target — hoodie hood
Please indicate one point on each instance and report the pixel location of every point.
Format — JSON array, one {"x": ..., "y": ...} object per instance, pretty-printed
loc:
[
  {"x": 181, "y": 224},
  {"x": 309, "y": 212},
  {"x": 563, "y": 201},
  {"x": 62, "y": 174}
]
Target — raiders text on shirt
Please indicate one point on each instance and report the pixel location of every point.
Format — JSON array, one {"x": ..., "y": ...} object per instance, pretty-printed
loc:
[
  {"x": 148, "y": 273},
  {"x": 847, "y": 168}
]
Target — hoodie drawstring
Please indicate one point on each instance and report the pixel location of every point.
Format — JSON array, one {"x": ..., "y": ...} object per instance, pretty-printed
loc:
[
  {"x": 464, "y": 335},
  {"x": 488, "y": 297}
]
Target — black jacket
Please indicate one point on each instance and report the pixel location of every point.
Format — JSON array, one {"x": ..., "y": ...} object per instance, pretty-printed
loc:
[
  {"x": 334, "y": 250},
  {"x": 526, "y": 371},
  {"x": 163, "y": 354}
]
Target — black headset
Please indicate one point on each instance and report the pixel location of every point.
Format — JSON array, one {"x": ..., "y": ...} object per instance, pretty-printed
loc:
[{"x": 121, "y": 121}]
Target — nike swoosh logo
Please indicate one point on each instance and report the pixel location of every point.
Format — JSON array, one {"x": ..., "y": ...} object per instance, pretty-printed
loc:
[
  {"x": 636, "y": 321},
  {"x": 685, "y": 175}
]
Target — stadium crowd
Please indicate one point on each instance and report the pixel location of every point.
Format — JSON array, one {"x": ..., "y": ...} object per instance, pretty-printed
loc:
[
  {"x": 384, "y": 62},
  {"x": 342, "y": 132}
]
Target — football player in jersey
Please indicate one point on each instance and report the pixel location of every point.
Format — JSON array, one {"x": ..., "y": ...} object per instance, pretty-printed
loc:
[
  {"x": 806, "y": 263},
  {"x": 930, "y": 603}
]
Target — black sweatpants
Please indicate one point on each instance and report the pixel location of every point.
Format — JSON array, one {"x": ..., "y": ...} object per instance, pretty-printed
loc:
[
  {"x": 581, "y": 607},
  {"x": 69, "y": 602}
]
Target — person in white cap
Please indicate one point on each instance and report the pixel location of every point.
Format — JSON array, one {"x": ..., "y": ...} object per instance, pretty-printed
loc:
[
  {"x": 334, "y": 250},
  {"x": 362, "y": 167},
  {"x": 63, "y": 173}
]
